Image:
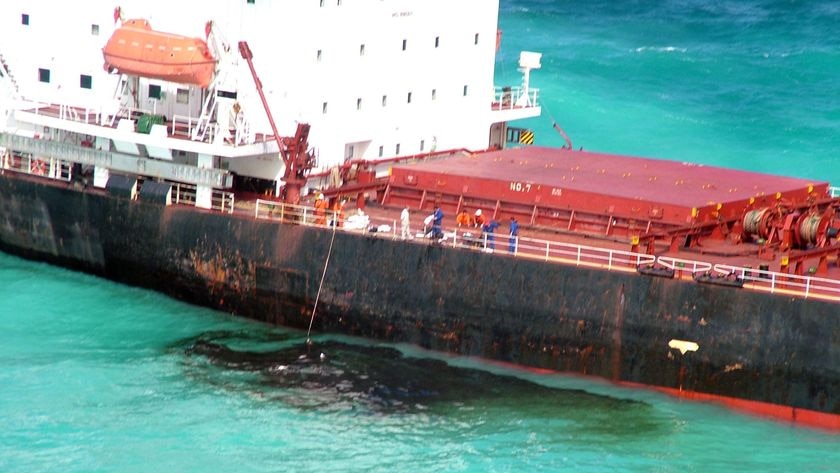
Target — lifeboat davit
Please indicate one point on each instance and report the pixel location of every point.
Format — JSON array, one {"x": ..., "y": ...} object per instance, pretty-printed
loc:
[{"x": 136, "y": 49}]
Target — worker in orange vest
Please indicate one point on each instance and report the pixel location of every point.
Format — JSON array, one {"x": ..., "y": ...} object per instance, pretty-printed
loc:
[
  {"x": 338, "y": 213},
  {"x": 463, "y": 219},
  {"x": 320, "y": 210}
]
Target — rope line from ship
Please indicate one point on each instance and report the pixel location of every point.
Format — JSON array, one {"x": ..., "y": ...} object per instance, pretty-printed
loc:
[{"x": 321, "y": 284}]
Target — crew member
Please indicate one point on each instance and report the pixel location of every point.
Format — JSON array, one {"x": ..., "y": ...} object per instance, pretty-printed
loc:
[
  {"x": 514, "y": 234},
  {"x": 405, "y": 233},
  {"x": 479, "y": 219},
  {"x": 320, "y": 210},
  {"x": 338, "y": 212},
  {"x": 463, "y": 219},
  {"x": 437, "y": 229},
  {"x": 489, "y": 228}
]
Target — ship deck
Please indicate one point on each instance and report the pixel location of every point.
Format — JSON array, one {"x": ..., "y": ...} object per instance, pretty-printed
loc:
[{"x": 817, "y": 276}]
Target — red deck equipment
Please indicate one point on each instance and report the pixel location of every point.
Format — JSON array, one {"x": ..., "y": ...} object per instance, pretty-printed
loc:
[{"x": 593, "y": 192}]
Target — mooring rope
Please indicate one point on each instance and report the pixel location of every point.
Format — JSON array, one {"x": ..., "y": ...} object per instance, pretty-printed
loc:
[{"x": 321, "y": 285}]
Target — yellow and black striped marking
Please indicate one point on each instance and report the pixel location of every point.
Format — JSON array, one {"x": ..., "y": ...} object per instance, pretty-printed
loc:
[{"x": 526, "y": 137}]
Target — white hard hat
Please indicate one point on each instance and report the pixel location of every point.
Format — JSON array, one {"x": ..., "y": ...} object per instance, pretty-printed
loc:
[{"x": 478, "y": 212}]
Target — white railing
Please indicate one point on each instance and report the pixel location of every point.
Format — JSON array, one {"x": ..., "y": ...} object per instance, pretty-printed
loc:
[
  {"x": 185, "y": 194},
  {"x": 566, "y": 253},
  {"x": 687, "y": 265},
  {"x": 777, "y": 282},
  {"x": 834, "y": 192},
  {"x": 51, "y": 168},
  {"x": 510, "y": 98}
]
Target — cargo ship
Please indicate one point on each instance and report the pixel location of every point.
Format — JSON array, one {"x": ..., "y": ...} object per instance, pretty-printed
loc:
[{"x": 393, "y": 200}]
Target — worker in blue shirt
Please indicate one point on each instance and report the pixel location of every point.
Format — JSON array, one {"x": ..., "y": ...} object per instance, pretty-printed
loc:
[
  {"x": 437, "y": 231},
  {"x": 489, "y": 228},
  {"x": 514, "y": 233}
]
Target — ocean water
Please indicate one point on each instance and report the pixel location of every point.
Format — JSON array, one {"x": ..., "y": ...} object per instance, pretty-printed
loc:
[{"x": 100, "y": 377}]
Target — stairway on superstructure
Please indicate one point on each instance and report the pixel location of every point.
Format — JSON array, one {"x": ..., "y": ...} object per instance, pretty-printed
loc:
[{"x": 9, "y": 90}]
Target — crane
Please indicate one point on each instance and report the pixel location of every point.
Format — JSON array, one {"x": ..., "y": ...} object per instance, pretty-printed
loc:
[{"x": 293, "y": 149}]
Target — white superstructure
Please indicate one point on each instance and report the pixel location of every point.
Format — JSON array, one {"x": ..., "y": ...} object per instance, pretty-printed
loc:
[{"x": 374, "y": 78}]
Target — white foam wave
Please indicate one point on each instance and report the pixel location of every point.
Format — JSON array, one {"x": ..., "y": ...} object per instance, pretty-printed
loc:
[{"x": 661, "y": 49}]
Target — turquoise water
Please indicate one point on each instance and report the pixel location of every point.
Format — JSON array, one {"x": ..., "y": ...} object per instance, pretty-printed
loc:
[
  {"x": 749, "y": 84},
  {"x": 96, "y": 376}
]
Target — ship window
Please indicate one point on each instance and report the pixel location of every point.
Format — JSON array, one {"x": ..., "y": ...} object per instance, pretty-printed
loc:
[
  {"x": 322, "y": 3},
  {"x": 397, "y": 149},
  {"x": 318, "y": 56},
  {"x": 358, "y": 104},
  {"x": 476, "y": 38},
  {"x": 409, "y": 97},
  {"x": 94, "y": 30},
  {"x": 182, "y": 96},
  {"x": 226, "y": 94},
  {"x": 24, "y": 19},
  {"x": 44, "y": 75},
  {"x": 405, "y": 44},
  {"x": 324, "y": 107},
  {"x": 384, "y": 100},
  {"x": 85, "y": 81},
  {"x": 154, "y": 91},
  {"x": 434, "y": 94},
  {"x": 362, "y": 50},
  {"x": 251, "y": 2},
  {"x": 422, "y": 144},
  {"x": 381, "y": 151},
  {"x": 437, "y": 41},
  {"x": 338, "y": 2},
  {"x": 466, "y": 89}
]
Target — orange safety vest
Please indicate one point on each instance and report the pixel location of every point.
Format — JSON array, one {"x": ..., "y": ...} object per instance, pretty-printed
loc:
[
  {"x": 339, "y": 214},
  {"x": 321, "y": 212}
]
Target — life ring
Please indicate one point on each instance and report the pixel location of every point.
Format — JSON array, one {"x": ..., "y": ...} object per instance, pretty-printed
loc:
[{"x": 38, "y": 167}]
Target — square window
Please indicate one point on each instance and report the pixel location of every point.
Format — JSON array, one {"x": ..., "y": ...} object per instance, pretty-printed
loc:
[
  {"x": 466, "y": 89},
  {"x": 437, "y": 41},
  {"x": 44, "y": 75},
  {"x": 397, "y": 149},
  {"x": 409, "y": 97},
  {"x": 362, "y": 50},
  {"x": 324, "y": 107},
  {"x": 182, "y": 96},
  {"x": 318, "y": 56},
  {"x": 422, "y": 144},
  {"x": 322, "y": 3},
  {"x": 384, "y": 100},
  {"x": 24, "y": 19},
  {"x": 154, "y": 92},
  {"x": 358, "y": 104},
  {"x": 405, "y": 44},
  {"x": 476, "y": 38},
  {"x": 338, "y": 2},
  {"x": 434, "y": 94},
  {"x": 381, "y": 151},
  {"x": 85, "y": 81},
  {"x": 94, "y": 30},
  {"x": 251, "y": 2}
]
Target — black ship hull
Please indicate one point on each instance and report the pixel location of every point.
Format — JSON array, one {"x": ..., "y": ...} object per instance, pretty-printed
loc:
[{"x": 770, "y": 353}]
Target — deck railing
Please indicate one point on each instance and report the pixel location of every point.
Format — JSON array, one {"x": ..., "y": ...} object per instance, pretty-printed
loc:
[
  {"x": 52, "y": 168},
  {"x": 558, "y": 252},
  {"x": 510, "y": 98},
  {"x": 186, "y": 194}
]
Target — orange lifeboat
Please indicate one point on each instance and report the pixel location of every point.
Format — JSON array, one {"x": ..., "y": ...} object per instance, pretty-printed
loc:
[{"x": 136, "y": 49}]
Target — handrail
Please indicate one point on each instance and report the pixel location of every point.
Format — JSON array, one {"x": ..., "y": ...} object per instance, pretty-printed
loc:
[
  {"x": 687, "y": 265},
  {"x": 569, "y": 253}
]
